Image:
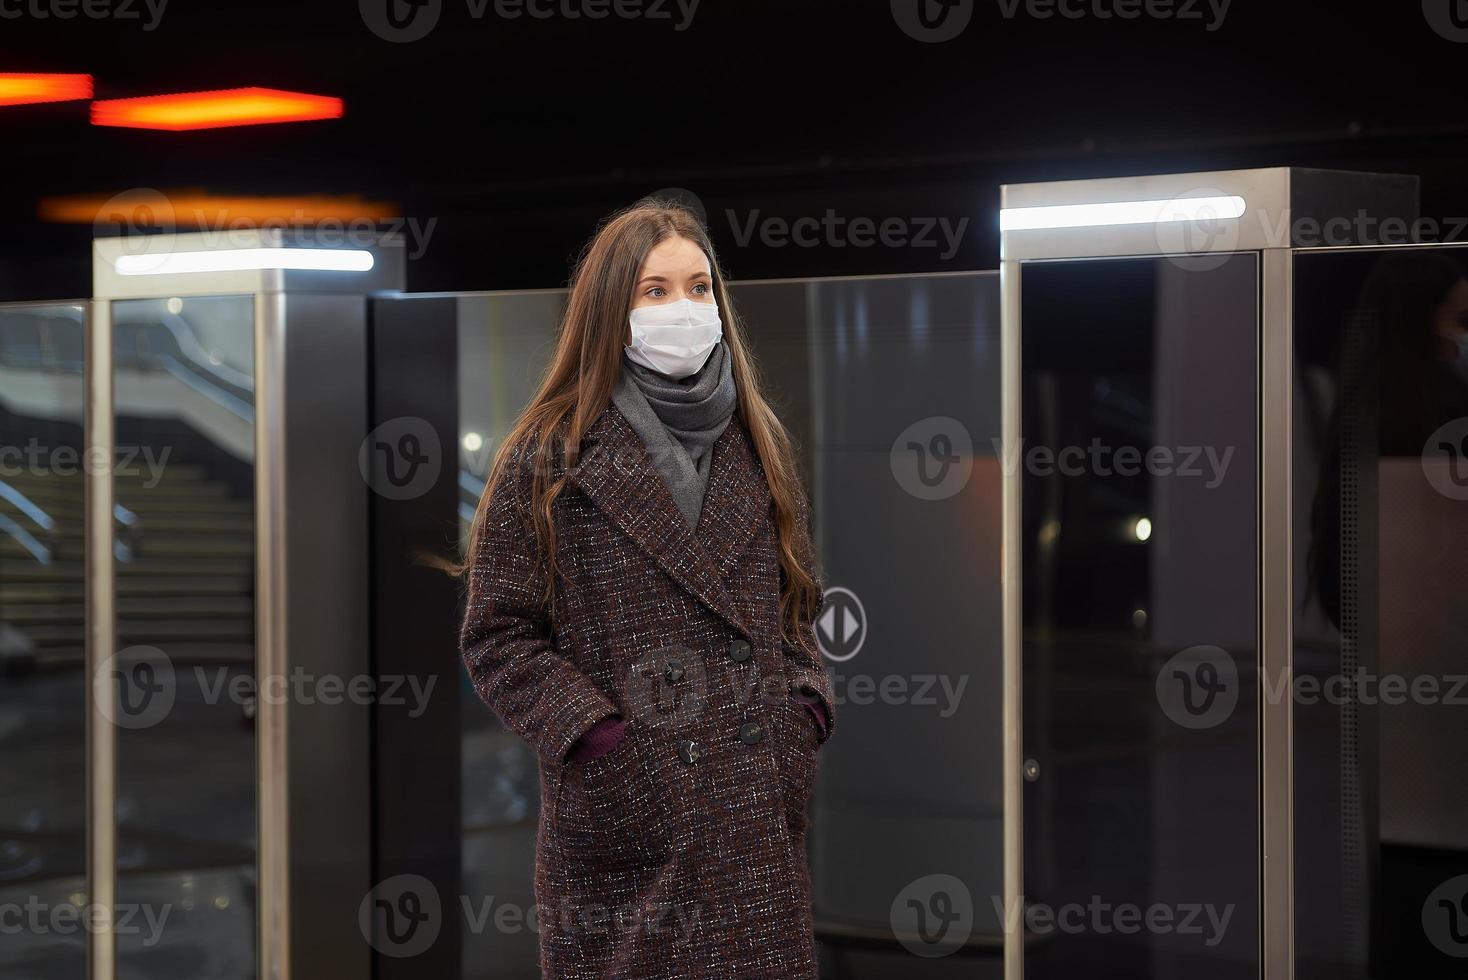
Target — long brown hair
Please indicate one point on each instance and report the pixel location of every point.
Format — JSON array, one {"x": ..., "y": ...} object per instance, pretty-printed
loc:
[{"x": 577, "y": 385}]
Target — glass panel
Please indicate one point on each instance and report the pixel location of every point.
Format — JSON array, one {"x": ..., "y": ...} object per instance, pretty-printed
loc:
[
  {"x": 908, "y": 802},
  {"x": 892, "y": 387},
  {"x": 184, "y": 397},
  {"x": 1140, "y": 528},
  {"x": 43, "y": 690},
  {"x": 1381, "y": 626},
  {"x": 505, "y": 342}
]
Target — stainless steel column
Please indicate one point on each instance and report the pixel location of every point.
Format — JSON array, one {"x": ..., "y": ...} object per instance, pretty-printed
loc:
[{"x": 101, "y": 643}]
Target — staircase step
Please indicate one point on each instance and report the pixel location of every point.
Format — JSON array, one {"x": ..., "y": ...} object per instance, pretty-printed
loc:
[
  {"x": 158, "y": 633},
  {"x": 183, "y": 586},
  {"x": 63, "y": 504},
  {"x": 211, "y": 503},
  {"x": 163, "y": 523},
  {"x": 10, "y": 548},
  {"x": 206, "y": 522},
  {"x": 49, "y": 496},
  {"x": 131, "y": 609},
  {"x": 29, "y": 570},
  {"x": 171, "y": 493},
  {"x": 223, "y": 653},
  {"x": 136, "y": 471},
  {"x": 149, "y": 545}
]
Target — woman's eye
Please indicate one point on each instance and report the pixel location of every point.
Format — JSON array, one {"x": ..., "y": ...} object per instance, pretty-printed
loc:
[
  {"x": 656, "y": 291},
  {"x": 701, "y": 288}
]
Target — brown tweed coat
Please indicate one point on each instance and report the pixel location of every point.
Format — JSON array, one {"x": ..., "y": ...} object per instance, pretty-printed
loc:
[{"x": 680, "y": 853}]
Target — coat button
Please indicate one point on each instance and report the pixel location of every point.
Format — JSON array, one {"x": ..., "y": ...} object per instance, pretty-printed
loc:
[
  {"x": 689, "y": 751},
  {"x": 739, "y": 651},
  {"x": 674, "y": 671},
  {"x": 751, "y": 732}
]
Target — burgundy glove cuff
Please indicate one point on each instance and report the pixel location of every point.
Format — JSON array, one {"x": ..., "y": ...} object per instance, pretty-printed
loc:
[{"x": 599, "y": 739}]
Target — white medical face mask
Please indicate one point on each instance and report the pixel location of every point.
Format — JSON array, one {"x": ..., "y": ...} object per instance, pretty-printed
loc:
[{"x": 674, "y": 339}]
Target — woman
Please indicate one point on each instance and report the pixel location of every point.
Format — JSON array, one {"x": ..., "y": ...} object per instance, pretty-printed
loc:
[{"x": 641, "y": 597}]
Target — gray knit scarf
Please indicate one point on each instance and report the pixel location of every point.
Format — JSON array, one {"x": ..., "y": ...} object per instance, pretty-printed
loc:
[{"x": 679, "y": 422}]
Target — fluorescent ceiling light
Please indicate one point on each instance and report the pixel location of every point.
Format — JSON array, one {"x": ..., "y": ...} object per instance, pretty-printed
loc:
[
  {"x": 26, "y": 88},
  {"x": 1121, "y": 213},
  {"x": 212, "y": 110},
  {"x": 245, "y": 260}
]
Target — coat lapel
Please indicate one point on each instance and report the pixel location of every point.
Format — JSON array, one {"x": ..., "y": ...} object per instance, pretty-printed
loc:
[
  {"x": 617, "y": 476},
  {"x": 737, "y": 501}
]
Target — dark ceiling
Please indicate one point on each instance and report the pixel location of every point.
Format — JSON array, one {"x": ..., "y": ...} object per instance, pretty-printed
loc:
[{"x": 509, "y": 137}]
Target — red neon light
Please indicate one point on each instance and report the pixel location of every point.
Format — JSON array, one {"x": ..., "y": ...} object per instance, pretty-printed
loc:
[
  {"x": 214, "y": 110},
  {"x": 20, "y": 88}
]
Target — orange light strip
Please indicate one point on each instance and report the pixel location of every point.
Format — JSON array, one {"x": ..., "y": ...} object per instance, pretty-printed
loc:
[
  {"x": 215, "y": 110},
  {"x": 200, "y": 209},
  {"x": 18, "y": 88}
]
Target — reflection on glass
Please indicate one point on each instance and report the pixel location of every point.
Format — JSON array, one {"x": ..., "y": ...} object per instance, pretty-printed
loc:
[
  {"x": 184, "y": 482},
  {"x": 505, "y": 342},
  {"x": 1381, "y": 625},
  {"x": 42, "y": 649},
  {"x": 1139, "y": 524},
  {"x": 891, "y": 386}
]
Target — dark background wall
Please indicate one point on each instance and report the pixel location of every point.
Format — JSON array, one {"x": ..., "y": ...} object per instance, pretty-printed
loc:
[{"x": 507, "y": 138}]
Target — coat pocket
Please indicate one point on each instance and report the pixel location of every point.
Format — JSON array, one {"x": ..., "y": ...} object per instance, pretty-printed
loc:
[
  {"x": 796, "y": 743},
  {"x": 609, "y": 811}
]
